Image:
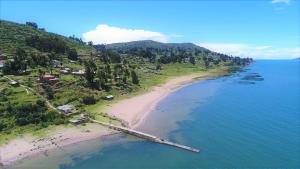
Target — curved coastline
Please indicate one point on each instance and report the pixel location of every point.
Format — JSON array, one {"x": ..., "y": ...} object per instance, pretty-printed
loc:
[{"x": 133, "y": 110}]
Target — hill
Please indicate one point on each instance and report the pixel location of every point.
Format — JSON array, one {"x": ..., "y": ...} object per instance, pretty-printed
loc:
[
  {"x": 144, "y": 44},
  {"x": 13, "y": 35}
]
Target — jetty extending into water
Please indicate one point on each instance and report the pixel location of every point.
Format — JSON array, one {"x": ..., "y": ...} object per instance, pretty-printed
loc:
[{"x": 145, "y": 136}]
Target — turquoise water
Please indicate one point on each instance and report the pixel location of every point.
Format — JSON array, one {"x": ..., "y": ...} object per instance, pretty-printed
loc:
[{"x": 248, "y": 120}]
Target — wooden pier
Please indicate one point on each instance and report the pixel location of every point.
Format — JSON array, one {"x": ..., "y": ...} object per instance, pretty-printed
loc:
[{"x": 145, "y": 136}]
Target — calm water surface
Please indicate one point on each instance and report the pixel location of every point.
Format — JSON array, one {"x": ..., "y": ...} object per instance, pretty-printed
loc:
[{"x": 248, "y": 120}]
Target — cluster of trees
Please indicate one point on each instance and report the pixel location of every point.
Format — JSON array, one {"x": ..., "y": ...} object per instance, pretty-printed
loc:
[
  {"x": 88, "y": 100},
  {"x": 108, "y": 56},
  {"x": 74, "y": 38},
  {"x": 18, "y": 65},
  {"x": 32, "y": 24},
  {"x": 72, "y": 54},
  {"x": 47, "y": 43},
  {"x": 22, "y": 60},
  {"x": 27, "y": 113},
  {"x": 102, "y": 77}
]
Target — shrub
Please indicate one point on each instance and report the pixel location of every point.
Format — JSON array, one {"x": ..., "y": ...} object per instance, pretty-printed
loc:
[{"x": 88, "y": 100}]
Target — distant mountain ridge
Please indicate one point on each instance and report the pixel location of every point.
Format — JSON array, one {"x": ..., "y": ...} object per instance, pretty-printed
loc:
[{"x": 154, "y": 45}]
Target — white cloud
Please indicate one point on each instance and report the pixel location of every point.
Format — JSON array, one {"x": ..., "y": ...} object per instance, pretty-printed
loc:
[
  {"x": 105, "y": 34},
  {"x": 281, "y": 1},
  {"x": 256, "y": 52}
]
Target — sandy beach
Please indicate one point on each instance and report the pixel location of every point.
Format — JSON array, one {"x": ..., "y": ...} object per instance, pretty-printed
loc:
[
  {"x": 132, "y": 110},
  {"x": 135, "y": 109},
  {"x": 28, "y": 145}
]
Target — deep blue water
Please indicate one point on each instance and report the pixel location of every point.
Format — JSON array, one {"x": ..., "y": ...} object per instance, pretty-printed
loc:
[{"x": 248, "y": 120}]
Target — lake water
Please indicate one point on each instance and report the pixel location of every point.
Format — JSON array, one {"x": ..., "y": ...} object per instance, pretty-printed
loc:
[{"x": 248, "y": 120}]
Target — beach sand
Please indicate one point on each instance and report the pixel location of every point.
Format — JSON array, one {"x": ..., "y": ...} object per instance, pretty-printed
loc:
[{"x": 57, "y": 138}]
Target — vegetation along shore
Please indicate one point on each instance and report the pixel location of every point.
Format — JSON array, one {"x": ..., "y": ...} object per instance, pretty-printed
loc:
[{"x": 50, "y": 84}]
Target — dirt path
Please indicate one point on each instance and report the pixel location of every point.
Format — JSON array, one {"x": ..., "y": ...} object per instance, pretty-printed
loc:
[{"x": 27, "y": 89}]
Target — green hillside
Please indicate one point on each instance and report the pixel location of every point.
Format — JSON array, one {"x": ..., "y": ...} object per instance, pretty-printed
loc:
[
  {"x": 13, "y": 35},
  {"x": 155, "y": 45}
]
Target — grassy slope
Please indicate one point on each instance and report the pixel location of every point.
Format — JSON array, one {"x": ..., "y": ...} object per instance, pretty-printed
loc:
[{"x": 13, "y": 35}]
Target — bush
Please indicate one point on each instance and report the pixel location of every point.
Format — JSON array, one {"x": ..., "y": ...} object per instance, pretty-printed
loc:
[
  {"x": 88, "y": 100},
  {"x": 72, "y": 54}
]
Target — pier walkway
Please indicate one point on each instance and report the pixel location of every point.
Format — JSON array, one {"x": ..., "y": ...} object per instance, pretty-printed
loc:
[{"x": 145, "y": 136}]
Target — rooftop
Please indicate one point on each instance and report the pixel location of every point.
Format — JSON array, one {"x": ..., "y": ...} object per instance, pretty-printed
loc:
[{"x": 66, "y": 107}]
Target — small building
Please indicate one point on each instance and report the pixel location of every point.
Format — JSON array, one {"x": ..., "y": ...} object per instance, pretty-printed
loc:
[
  {"x": 2, "y": 62},
  {"x": 14, "y": 84},
  {"x": 109, "y": 97},
  {"x": 66, "y": 108},
  {"x": 76, "y": 121},
  {"x": 64, "y": 71},
  {"x": 3, "y": 56},
  {"x": 79, "y": 73},
  {"x": 48, "y": 78}
]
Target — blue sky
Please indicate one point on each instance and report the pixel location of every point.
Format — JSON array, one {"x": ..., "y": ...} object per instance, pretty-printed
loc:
[{"x": 256, "y": 28}]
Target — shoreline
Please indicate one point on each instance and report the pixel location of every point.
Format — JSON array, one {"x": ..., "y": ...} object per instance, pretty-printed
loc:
[
  {"x": 27, "y": 146},
  {"x": 134, "y": 110}
]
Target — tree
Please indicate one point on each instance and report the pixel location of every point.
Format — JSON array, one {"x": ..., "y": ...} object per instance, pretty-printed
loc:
[
  {"x": 32, "y": 24},
  {"x": 101, "y": 79},
  {"x": 134, "y": 77},
  {"x": 90, "y": 43},
  {"x": 158, "y": 67},
  {"x": 51, "y": 57},
  {"x": 19, "y": 63},
  {"x": 205, "y": 60},
  {"x": 192, "y": 60},
  {"x": 115, "y": 57},
  {"x": 72, "y": 54},
  {"x": 90, "y": 69},
  {"x": 88, "y": 100},
  {"x": 41, "y": 73},
  {"x": 49, "y": 91},
  {"x": 49, "y": 43}
]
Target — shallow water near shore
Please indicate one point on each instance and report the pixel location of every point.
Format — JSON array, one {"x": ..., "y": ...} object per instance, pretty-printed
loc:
[{"x": 250, "y": 119}]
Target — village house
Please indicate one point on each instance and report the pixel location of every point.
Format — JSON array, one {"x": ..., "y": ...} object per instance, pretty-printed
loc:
[
  {"x": 65, "y": 70},
  {"x": 109, "y": 97},
  {"x": 76, "y": 121},
  {"x": 14, "y": 84},
  {"x": 66, "y": 108},
  {"x": 2, "y": 56},
  {"x": 48, "y": 78},
  {"x": 79, "y": 73},
  {"x": 2, "y": 62}
]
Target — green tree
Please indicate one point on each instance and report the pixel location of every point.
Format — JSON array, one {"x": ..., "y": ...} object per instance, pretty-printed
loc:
[
  {"x": 134, "y": 77},
  {"x": 19, "y": 63},
  {"x": 51, "y": 57},
  {"x": 32, "y": 24},
  {"x": 72, "y": 54},
  {"x": 205, "y": 60},
  {"x": 90, "y": 69},
  {"x": 192, "y": 60}
]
